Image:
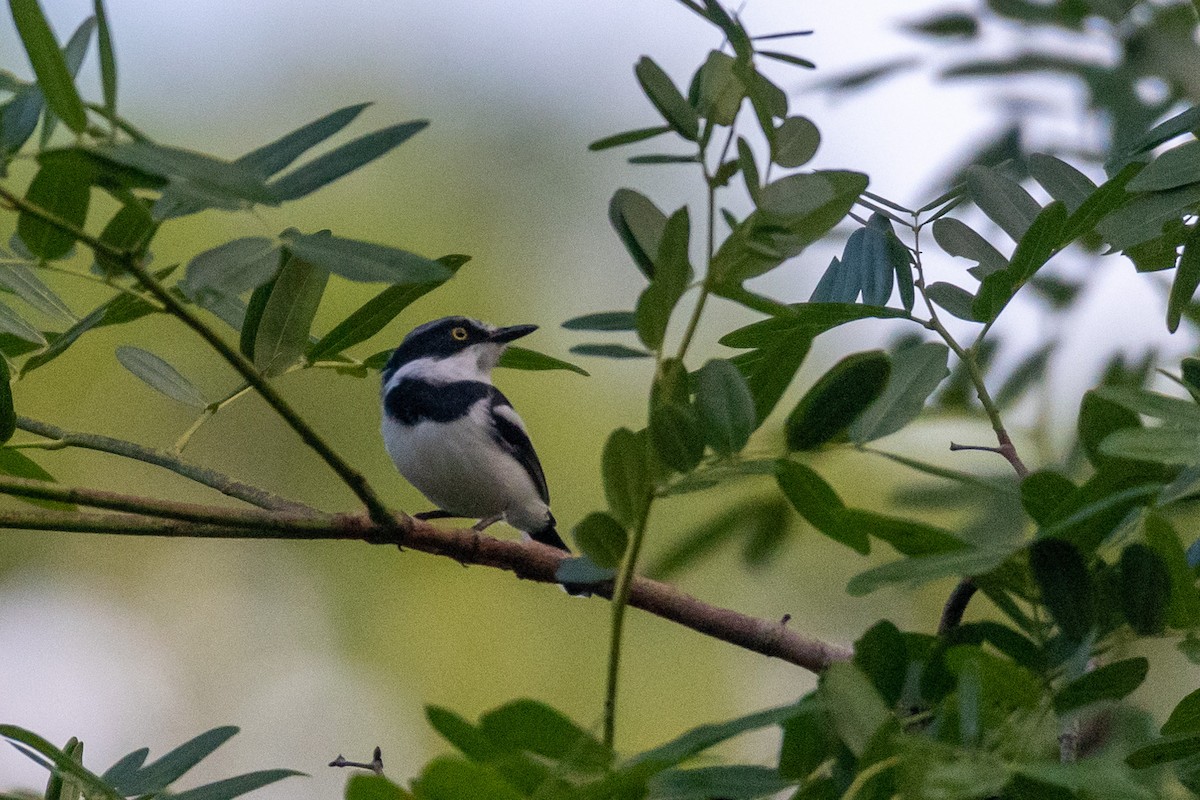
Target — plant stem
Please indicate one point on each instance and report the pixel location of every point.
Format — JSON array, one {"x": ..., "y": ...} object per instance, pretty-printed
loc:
[
  {"x": 620, "y": 599},
  {"x": 208, "y": 414},
  {"x": 160, "y": 458},
  {"x": 351, "y": 477},
  {"x": 862, "y": 778}
]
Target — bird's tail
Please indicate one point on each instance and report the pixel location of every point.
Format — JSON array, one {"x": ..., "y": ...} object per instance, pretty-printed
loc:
[{"x": 549, "y": 535}]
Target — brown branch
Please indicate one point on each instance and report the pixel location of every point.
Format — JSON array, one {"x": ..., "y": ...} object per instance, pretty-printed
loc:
[{"x": 526, "y": 559}]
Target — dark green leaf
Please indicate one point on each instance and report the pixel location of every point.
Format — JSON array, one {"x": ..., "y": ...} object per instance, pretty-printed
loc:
[
  {"x": 807, "y": 741},
  {"x": 602, "y": 539},
  {"x": 130, "y": 778},
  {"x": 967, "y": 561},
  {"x": 749, "y": 172},
  {"x": 663, "y": 93},
  {"x": 609, "y": 351},
  {"x": 810, "y": 318},
  {"x": 753, "y": 520},
  {"x": 640, "y": 225},
  {"x": 74, "y": 52},
  {"x": 1187, "y": 278},
  {"x": 1145, "y": 589},
  {"x": 342, "y": 160},
  {"x": 819, "y": 504},
  {"x": 362, "y": 786},
  {"x": 254, "y": 312},
  {"x": 63, "y": 191},
  {"x": 1143, "y": 217},
  {"x": 1111, "y": 196},
  {"x": 374, "y": 315},
  {"x": 271, "y": 158},
  {"x": 523, "y": 358},
  {"x": 916, "y": 372},
  {"x": 906, "y": 536},
  {"x": 235, "y": 787},
  {"x": 232, "y": 268},
  {"x": 1061, "y": 181},
  {"x": 663, "y": 158},
  {"x": 1164, "y": 750},
  {"x": 1040, "y": 241},
  {"x": 725, "y": 405},
  {"x": 365, "y": 261},
  {"x": 628, "y": 137},
  {"x": 453, "y": 779},
  {"x": 787, "y": 58},
  {"x": 739, "y": 782},
  {"x": 1066, "y": 586},
  {"x": 603, "y": 321},
  {"x": 160, "y": 376},
  {"x": 1169, "y": 170},
  {"x": 19, "y": 118},
  {"x": 677, "y": 436},
  {"x": 48, "y": 63},
  {"x": 1183, "y": 122},
  {"x": 1109, "y": 682},
  {"x": 948, "y": 24},
  {"x": 855, "y": 708},
  {"x": 882, "y": 655},
  {"x": 795, "y": 142},
  {"x": 954, "y": 299},
  {"x": 8, "y": 415},
  {"x": 462, "y": 734},
  {"x": 1183, "y": 613},
  {"x": 769, "y": 371},
  {"x": 91, "y": 784},
  {"x": 672, "y": 273},
  {"x": 959, "y": 240},
  {"x": 1003, "y": 200},
  {"x": 703, "y": 737},
  {"x": 837, "y": 399},
  {"x": 1044, "y": 493},
  {"x": 538, "y": 728},
  {"x": 194, "y": 176},
  {"x": 108, "y": 59},
  {"x": 282, "y": 335},
  {"x": 627, "y": 482},
  {"x": 1160, "y": 445},
  {"x": 1185, "y": 717}
]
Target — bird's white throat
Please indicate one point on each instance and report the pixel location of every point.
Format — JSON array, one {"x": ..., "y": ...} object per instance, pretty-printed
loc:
[{"x": 473, "y": 364}]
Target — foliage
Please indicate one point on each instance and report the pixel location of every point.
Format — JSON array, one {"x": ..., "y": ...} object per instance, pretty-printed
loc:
[{"x": 1012, "y": 704}]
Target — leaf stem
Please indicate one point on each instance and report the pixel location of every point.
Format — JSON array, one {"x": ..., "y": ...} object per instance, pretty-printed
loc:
[
  {"x": 351, "y": 477},
  {"x": 620, "y": 599},
  {"x": 208, "y": 413}
]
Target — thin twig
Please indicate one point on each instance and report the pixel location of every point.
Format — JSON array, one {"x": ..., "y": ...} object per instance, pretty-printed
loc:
[{"x": 160, "y": 458}]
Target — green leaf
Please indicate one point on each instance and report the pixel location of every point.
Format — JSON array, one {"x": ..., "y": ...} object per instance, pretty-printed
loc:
[
  {"x": 947, "y": 24},
  {"x": 193, "y": 176},
  {"x": 703, "y": 737},
  {"x": 1143, "y": 217},
  {"x": 453, "y": 779},
  {"x": 1164, "y": 750},
  {"x": 1003, "y": 200},
  {"x": 1111, "y": 196},
  {"x": 537, "y": 728},
  {"x": 1109, "y": 682},
  {"x": 462, "y": 734},
  {"x": 628, "y": 137},
  {"x": 739, "y": 782},
  {"x": 362, "y": 786},
  {"x": 837, "y": 399},
  {"x": 8, "y": 414},
  {"x": 959, "y": 240},
  {"x": 818, "y": 503},
  {"x": 882, "y": 655},
  {"x": 787, "y": 58},
  {"x": 1040, "y": 241},
  {"x": 342, "y": 160},
  {"x": 916, "y": 372},
  {"x": 160, "y": 376},
  {"x": 1160, "y": 445},
  {"x": 954, "y": 299},
  {"x": 74, "y": 52},
  {"x": 663, "y": 93},
  {"x": 752, "y": 520},
  {"x": 855, "y": 708},
  {"x": 21, "y": 281},
  {"x": 11, "y": 322},
  {"x": 795, "y": 142},
  {"x": 93, "y": 785},
  {"x": 523, "y": 358},
  {"x": 108, "y": 59},
  {"x": 374, "y": 315},
  {"x": 54, "y": 79},
  {"x": 677, "y": 436},
  {"x": 1066, "y": 586},
  {"x": 129, "y": 777},
  {"x": 131, "y": 230},
  {"x": 968, "y": 561},
  {"x": 725, "y": 405},
  {"x": 609, "y": 351},
  {"x": 1185, "y": 717},
  {"x": 1145, "y": 589},
  {"x": 640, "y": 224},
  {"x": 749, "y": 171},
  {"x": 235, "y": 787},
  {"x": 721, "y": 90},
  {"x": 271, "y": 158},
  {"x": 1183, "y": 612},
  {"x": 15, "y": 463},
  {"x": 233, "y": 268},
  {"x": 1044, "y": 493},
  {"x": 1170, "y": 169},
  {"x": 254, "y": 312},
  {"x": 906, "y": 536},
  {"x": 769, "y": 370},
  {"x": 282, "y": 335},
  {"x": 602, "y": 539},
  {"x": 1187, "y": 278},
  {"x": 1174, "y": 411},
  {"x": 811, "y": 318},
  {"x": 603, "y": 321},
  {"x": 626, "y": 472},
  {"x": 1061, "y": 181},
  {"x": 364, "y": 261},
  {"x": 64, "y": 191},
  {"x": 672, "y": 273}
]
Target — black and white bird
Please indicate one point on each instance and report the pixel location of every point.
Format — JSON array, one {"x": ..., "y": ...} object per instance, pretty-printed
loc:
[{"x": 455, "y": 437}]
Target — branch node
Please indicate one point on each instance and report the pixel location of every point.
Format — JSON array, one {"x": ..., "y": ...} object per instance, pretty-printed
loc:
[{"x": 375, "y": 764}]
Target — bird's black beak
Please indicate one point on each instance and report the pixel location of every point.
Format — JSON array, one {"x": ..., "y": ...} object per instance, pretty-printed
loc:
[{"x": 505, "y": 335}]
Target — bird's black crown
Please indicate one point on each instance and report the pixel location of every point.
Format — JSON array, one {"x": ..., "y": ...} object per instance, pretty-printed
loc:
[{"x": 438, "y": 339}]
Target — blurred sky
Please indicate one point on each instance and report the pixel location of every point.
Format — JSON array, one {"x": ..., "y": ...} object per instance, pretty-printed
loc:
[{"x": 322, "y": 649}]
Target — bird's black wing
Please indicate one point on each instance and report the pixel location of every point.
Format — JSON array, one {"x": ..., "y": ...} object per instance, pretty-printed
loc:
[{"x": 510, "y": 434}]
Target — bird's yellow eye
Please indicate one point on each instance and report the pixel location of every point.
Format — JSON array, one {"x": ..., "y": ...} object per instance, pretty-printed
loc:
[{"x": 459, "y": 334}]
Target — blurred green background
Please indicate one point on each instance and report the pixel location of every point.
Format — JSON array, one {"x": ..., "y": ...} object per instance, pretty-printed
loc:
[{"x": 316, "y": 649}]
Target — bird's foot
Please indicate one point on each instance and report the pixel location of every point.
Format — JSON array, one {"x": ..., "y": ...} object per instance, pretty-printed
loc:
[{"x": 486, "y": 522}]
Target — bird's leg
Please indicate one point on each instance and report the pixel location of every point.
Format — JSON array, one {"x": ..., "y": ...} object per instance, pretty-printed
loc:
[
  {"x": 484, "y": 523},
  {"x": 436, "y": 513}
]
